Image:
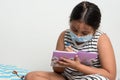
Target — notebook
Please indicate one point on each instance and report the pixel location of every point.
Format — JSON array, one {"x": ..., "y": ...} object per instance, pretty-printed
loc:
[{"x": 86, "y": 58}]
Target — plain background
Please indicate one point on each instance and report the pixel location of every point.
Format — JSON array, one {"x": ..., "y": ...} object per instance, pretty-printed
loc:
[{"x": 29, "y": 29}]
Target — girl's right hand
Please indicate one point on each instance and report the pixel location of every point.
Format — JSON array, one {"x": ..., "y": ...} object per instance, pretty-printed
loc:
[{"x": 69, "y": 49}]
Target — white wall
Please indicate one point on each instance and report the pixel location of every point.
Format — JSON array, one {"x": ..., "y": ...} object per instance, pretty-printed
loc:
[{"x": 29, "y": 29}]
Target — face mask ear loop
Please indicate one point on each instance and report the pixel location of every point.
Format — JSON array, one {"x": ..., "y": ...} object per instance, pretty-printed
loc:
[{"x": 85, "y": 11}]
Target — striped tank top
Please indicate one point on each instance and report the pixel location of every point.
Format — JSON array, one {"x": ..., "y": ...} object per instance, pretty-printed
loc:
[{"x": 89, "y": 46}]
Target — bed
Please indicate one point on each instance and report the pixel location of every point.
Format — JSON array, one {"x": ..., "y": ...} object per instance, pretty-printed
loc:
[{"x": 10, "y": 72}]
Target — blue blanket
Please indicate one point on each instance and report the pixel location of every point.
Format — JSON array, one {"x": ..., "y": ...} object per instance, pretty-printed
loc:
[{"x": 10, "y": 72}]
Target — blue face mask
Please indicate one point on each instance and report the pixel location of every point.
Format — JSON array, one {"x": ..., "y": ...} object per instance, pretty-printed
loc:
[{"x": 82, "y": 38}]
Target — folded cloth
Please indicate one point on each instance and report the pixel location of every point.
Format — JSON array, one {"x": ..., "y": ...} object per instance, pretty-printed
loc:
[{"x": 10, "y": 72}]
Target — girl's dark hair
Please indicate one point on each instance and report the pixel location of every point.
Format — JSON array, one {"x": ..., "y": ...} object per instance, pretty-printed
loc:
[{"x": 88, "y": 13}]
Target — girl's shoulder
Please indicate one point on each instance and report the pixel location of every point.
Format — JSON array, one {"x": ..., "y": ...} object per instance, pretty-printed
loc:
[{"x": 99, "y": 32}]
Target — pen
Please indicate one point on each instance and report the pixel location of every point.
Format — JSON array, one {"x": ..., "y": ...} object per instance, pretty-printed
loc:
[
  {"x": 67, "y": 44},
  {"x": 69, "y": 48}
]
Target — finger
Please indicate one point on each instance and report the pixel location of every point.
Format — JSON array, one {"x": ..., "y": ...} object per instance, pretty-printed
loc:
[
  {"x": 65, "y": 59},
  {"x": 76, "y": 58},
  {"x": 69, "y": 49},
  {"x": 62, "y": 63}
]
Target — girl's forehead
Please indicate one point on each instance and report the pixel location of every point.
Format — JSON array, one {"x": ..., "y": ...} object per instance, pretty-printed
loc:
[
  {"x": 80, "y": 24},
  {"x": 83, "y": 28}
]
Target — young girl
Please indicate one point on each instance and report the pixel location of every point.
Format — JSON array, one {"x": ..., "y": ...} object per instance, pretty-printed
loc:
[{"x": 84, "y": 34}]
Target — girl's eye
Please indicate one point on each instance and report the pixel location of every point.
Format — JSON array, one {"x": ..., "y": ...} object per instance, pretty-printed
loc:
[
  {"x": 73, "y": 29},
  {"x": 85, "y": 33}
]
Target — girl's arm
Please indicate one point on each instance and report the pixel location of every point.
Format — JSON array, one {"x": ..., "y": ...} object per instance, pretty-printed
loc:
[
  {"x": 60, "y": 46},
  {"x": 107, "y": 60}
]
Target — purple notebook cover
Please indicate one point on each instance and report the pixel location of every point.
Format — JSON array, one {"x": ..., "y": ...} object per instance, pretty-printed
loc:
[{"x": 86, "y": 58}]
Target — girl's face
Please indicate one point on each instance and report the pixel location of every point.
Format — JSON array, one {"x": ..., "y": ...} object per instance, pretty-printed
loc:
[{"x": 80, "y": 28}]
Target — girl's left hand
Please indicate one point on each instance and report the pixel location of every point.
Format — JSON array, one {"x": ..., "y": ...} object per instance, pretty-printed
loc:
[{"x": 69, "y": 63}]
